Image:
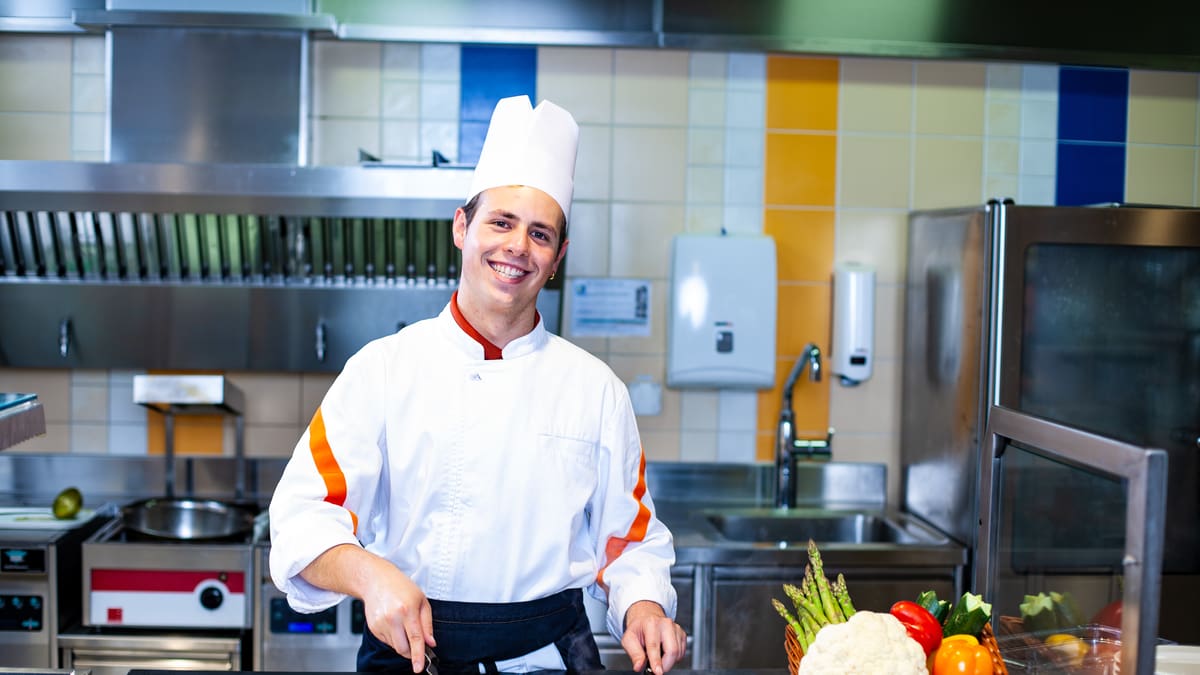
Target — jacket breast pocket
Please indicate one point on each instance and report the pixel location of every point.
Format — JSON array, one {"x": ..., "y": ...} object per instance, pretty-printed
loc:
[{"x": 570, "y": 467}]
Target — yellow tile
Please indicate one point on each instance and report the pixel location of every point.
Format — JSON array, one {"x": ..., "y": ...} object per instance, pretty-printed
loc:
[
  {"x": 810, "y": 406},
  {"x": 802, "y": 93},
  {"x": 35, "y": 73},
  {"x": 1162, "y": 107},
  {"x": 650, "y": 87},
  {"x": 578, "y": 79},
  {"x": 875, "y": 238},
  {"x": 1003, "y": 156},
  {"x": 871, "y": 407},
  {"x": 1003, "y": 118},
  {"x": 649, "y": 164},
  {"x": 874, "y": 171},
  {"x": 950, "y": 97},
  {"x": 803, "y": 317},
  {"x": 1159, "y": 174},
  {"x": 800, "y": 169},
  {"x": 35, "y": 136},
  {"x": 803, "y": 243},
  {"x": 876, "y": 95},
  {"x": 948, "y": 172},
  {"x": 194, "y": 434}
]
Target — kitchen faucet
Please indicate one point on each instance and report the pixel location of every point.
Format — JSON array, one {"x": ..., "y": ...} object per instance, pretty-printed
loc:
[{"x": 786, "y": 444}]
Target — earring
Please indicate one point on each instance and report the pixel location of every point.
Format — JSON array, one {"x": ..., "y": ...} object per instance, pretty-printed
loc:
[{"x": 552, "y": 276}]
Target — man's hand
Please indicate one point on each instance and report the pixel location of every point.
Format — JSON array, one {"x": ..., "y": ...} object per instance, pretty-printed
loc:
[
  {"x": 396, "y": 609},
  {"x": 651, "y": 639}
]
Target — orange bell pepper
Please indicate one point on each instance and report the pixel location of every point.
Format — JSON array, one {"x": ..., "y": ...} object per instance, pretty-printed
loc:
[{"x": 961, "y": 657}]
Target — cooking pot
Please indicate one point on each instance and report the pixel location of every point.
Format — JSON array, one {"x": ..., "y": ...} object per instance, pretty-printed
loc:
[{"x": 187, "y": 519}]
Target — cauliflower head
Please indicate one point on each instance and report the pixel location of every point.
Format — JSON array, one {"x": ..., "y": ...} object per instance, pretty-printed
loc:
[{"x": 869, "y": 642}]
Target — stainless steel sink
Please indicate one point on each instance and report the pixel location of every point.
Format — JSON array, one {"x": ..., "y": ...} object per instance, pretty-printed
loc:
[{"x": 820, "y": 525}]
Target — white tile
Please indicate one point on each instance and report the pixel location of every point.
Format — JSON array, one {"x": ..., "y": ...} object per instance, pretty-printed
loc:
[
  {"x": 402, "y": 141},
  {"x": 401, "y": 61},
  {"x": 738, "y": 219},
  {"x": 649, "y": 164},
  {"x": 697, "y": 446},
  {"x": 1039, "y": 119},
  {"x": 698, "y": 409},
  {"x": 37, "y": 136},
  {"x": 346, "y": 78},
  {"x": 81, "y": 377},
  {"x": 1038, "y": 157},
  {"x": 737, "y": 410},
  {"x": 579, "y": 79},
  {"x": 641, "y": 239},
  {"x": 87, "y": 132},
  {"x": 336, "y": 141},
  {"x": 736, "y": 446},
  {"x": 87, "y": 55},
  {"x": 127, "y": 439},
  {"x": 708, "y": 69},
  {"x": 89, "y": 403},
  {"x": 1003, "y": 79},
  {"x": 1036, "y": 190},
  {"x": 706, "y": 107},
  {"x": 35, "y": 73},
  {"x": 593, "y": 165},
  {"x": 401, "y": 99},
  {"x": 700, "y": 219},
  {"x": 1000, "y": 186},
  {"x": 875, "y": 238},
  {"x": 121, "y": 408},
  {"x": 88, "y": 156},
  {"x": 89, "y": 438},
  {"x": 440, "y": 136},
  {"x": 748, "y": 71},
  {"x": 123, "y": 376},
  {"x": 588, "y": 237},
  {"x": 745, "y": 109},
  {"x": 705, "y": 184},
  {"x": 1039, "y": 81},
  {"x": 439, "y": 101},
  {"x": 271, "y": 440},
  {"x": 706, "y": 147},
  {"x": 743, "y": 186},
  {"x": 441, "y": 62},
  {"x": 871, "y": 407},
  {"x": 745, "y": 147},
  {"x": 88, "y": 94}
]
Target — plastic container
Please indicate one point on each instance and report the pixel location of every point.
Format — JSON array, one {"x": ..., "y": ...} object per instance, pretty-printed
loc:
[{"x": 1091, "y": 649}]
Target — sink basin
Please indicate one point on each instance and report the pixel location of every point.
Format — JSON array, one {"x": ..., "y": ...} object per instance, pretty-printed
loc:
[{"x": 800, "y": 525}]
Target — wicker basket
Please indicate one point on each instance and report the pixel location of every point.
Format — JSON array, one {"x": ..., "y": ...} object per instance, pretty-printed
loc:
[{"x": 791, "y": 645}]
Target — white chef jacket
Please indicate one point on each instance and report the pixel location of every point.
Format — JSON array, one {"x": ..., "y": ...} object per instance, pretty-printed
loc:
[{"x": 498, "y": 480}]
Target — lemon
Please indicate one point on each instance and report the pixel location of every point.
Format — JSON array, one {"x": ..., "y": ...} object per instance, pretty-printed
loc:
[
  {"x": 1068, "y": 647},
  {"x": 67, "y": 503}
]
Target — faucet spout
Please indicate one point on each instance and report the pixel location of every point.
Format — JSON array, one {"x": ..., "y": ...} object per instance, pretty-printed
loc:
[{"x": 785, "y": 436}]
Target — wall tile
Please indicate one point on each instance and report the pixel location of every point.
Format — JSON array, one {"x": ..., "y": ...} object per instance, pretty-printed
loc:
[
  {"x": 312, "y": 389},
  {"x": 1003, "y": 118},
  {"x": 803, "y": 243},
  {"x": 1162, "y": 107},
  {"x": 1090, "y": 173},
  {"x": 126, "y": 439},
  {"x": 1001, "y": 186},
  {"x": 440, "y": 62},
  {"x": 706, "y": 107},
  {"x": 947, "y": 172},
  {"x": 803, "y": 317},
  {"x": 45, "y": 136},
  {"x": 873, "y": 171},
  {"x": 271, "y": 441},
  {"x": 53, "y": 389},
  {"x": 745, "y": 109},
  {"x": 708, "y": 69},
  {"x": 800, "y": 169},
  {"x": 35, "y": 73},
  {"x": 874, "y": 448},
  {"x": 641, "y": 239},
  {"x": 578, "y": 79},
  {"x": 660, "y": 446},
  {"x": 699, "y": 219},
  {"x": 346, "y": 78},
  {"x": 742, "y": 219},
  {"x": 1036, "y": 190},
  {"x": 871, "y": 407},
  {"x": 949, "y": 98},
  {"x": 401, "y": 61},
  {"x": 1003, "y": 79},
  {"x": 401, "y": 99},
  {"x": 1038, "y": 157},
  {"x": 270, "y": 398},
  {"x": 402, "y": 141},
  {"x": 1039, "y": 81},
  {"x": 743, "y": 186},
  {"x": 705, "y": 185},
  {"x": 875, "y": 95},
  {"x": 875, "y": 238},
  {"x": 90, "y": 438},
  {"x": 1160, "y": 174},
  {"x": 594, "y": 162},
  {"x": 651, "y": 162},
  {"x": 745, "y": 148},
  {"x": 629, "y": 366},
  {"x": 1039, "y": 118},
  {"x": 439, "y": 100},
  {"x": 650, "y": 87},
  {"x": 706, "y": 146},
  {"x": 1002, "y": 156},
  {"x": 747, "y": 71},
  {"x": 889, "y": 320},
  {"x": 1093, "y": 104},
  {"x": 735, "y": 447},
  {"x": 89, "y": 403},
  {"x": 651, "y": 346},
  {"x": 57, "y": 439},
  {"x": 737, "y": 409},
  {"x": 588, "y": 233},
  {"x": 87, "y": 55},
  {"x": 802, "y": 93},
  {"x": 697, "y": 446},
  {"x": 88, "y": 94},
  {"x": 87, "y": 132},
  {"x": 698, "y": 409},
  {"x": 336, "y": 141},
  {"x": 439, "y": 136}
]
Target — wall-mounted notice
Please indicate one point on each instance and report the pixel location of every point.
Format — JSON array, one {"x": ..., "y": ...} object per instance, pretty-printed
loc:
[{"x": 610, "y": 307}]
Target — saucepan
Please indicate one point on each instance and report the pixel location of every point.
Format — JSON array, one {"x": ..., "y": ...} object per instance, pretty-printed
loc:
[{"x": 187, "y": 519}]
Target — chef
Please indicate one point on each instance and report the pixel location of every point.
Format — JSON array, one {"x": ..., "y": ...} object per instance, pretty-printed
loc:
[{"x": 471, "y": 476}]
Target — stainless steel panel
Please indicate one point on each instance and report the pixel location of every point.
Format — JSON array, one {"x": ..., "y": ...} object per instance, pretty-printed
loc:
[
  {"x": 946, "y": 365},
  {"x": 205, "y": 95},
  {"x": 118, "y": 654}
]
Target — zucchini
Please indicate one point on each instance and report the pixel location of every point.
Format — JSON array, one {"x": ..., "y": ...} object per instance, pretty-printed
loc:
[
  {"x": 938, "y": 608},
  {"x": 968, "y": 616},
  {"x": 1066, "y": 610},
  {"x": 1038, "y": 613}
]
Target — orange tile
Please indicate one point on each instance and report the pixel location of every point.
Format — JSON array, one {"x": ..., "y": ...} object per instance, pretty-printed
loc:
[
  {"x": 800, "y": 169},
  {"x": 803, "y": 316},
  {"x": 194, "y": 434},
  {"x": 803, "y": 243},
  {"x": 802, "y": 93},
  {"x": 810, "y": 407}
]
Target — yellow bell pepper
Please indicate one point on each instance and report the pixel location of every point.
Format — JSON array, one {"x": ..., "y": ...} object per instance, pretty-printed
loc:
[{"x": 961, "y": 655}]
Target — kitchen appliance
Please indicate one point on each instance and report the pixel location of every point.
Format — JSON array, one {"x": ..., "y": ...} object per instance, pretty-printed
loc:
[
  {"x": 852, "y": 354},
  {"x": 1084, "y": 316},
  {"x": 39, "y": 582},
  {"x": 287, "y": 640}
]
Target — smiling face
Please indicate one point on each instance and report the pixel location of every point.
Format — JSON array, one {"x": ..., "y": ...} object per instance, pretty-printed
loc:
[{"x": 510, "y": 249}]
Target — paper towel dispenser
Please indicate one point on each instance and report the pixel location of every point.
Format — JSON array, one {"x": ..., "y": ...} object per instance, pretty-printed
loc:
[{"x": 721, "y": 331}]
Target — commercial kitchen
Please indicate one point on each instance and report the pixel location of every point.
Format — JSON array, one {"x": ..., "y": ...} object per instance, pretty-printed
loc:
[{"x": 920, "y": 284}]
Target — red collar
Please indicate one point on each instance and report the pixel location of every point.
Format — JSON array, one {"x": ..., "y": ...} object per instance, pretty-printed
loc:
[{"x": 490, "y": 351}]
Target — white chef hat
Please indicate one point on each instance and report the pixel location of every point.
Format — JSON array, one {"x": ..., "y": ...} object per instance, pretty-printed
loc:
[{"x": 529, "y": 146}]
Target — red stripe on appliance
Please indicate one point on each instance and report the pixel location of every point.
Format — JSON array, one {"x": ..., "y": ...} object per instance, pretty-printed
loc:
[{"x": 175, "y": 581}]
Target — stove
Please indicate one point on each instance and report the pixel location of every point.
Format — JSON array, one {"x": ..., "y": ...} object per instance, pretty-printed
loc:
[{"x": 39, "y": 582}]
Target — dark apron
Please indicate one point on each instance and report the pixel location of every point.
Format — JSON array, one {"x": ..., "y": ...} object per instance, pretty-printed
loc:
[{"x": 470, "y": 634}]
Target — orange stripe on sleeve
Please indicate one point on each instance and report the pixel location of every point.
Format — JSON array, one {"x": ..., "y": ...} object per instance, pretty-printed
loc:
[
  {"x": 637, "y": 530},
  {"x": 327, "y": 465}
]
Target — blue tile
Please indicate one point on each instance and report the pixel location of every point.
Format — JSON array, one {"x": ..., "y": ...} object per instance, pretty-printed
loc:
[
  {"x": 490, "y": 73},
  {"x": 1090, "y": 173},
  {"x": 1093, "y": 104},
  {"x": 470, "y": 140}
]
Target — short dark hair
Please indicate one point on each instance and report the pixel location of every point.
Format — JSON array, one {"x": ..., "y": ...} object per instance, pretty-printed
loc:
[{"x": 472, "y": 206}]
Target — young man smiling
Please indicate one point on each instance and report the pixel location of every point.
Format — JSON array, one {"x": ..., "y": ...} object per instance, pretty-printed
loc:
[{"x": 472, "y": 475}]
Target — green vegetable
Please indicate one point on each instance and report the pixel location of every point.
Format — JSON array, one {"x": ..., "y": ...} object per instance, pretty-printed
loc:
[
  {"x": 791, "y": 620},
  {"x": 842, "y": 595},
  {"x": 828, "y": 604},
  {"x": 1037, "y": 613},
  {"x": 968, "y": 616},
  {"x": 67, "y": 504},
  {"x": 940, "y": 609},
  {"x": 1066, "y": 610}
]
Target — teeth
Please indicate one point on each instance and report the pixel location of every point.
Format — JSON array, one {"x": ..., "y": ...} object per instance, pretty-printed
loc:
[{"x": 508, "y": 270}]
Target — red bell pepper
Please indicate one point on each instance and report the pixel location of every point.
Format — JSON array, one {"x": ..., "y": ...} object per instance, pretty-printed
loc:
[{"x": 920, "y": 624}]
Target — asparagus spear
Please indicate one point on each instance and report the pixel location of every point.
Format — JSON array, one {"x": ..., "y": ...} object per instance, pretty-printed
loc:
[
  {"x": 828, "y": 604},
  {"x": 842, "y": 595},
  {"x": 787, "y": 616},
  {"x": 809, "y": 602},
  {"x": 810, "y": 630}
]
